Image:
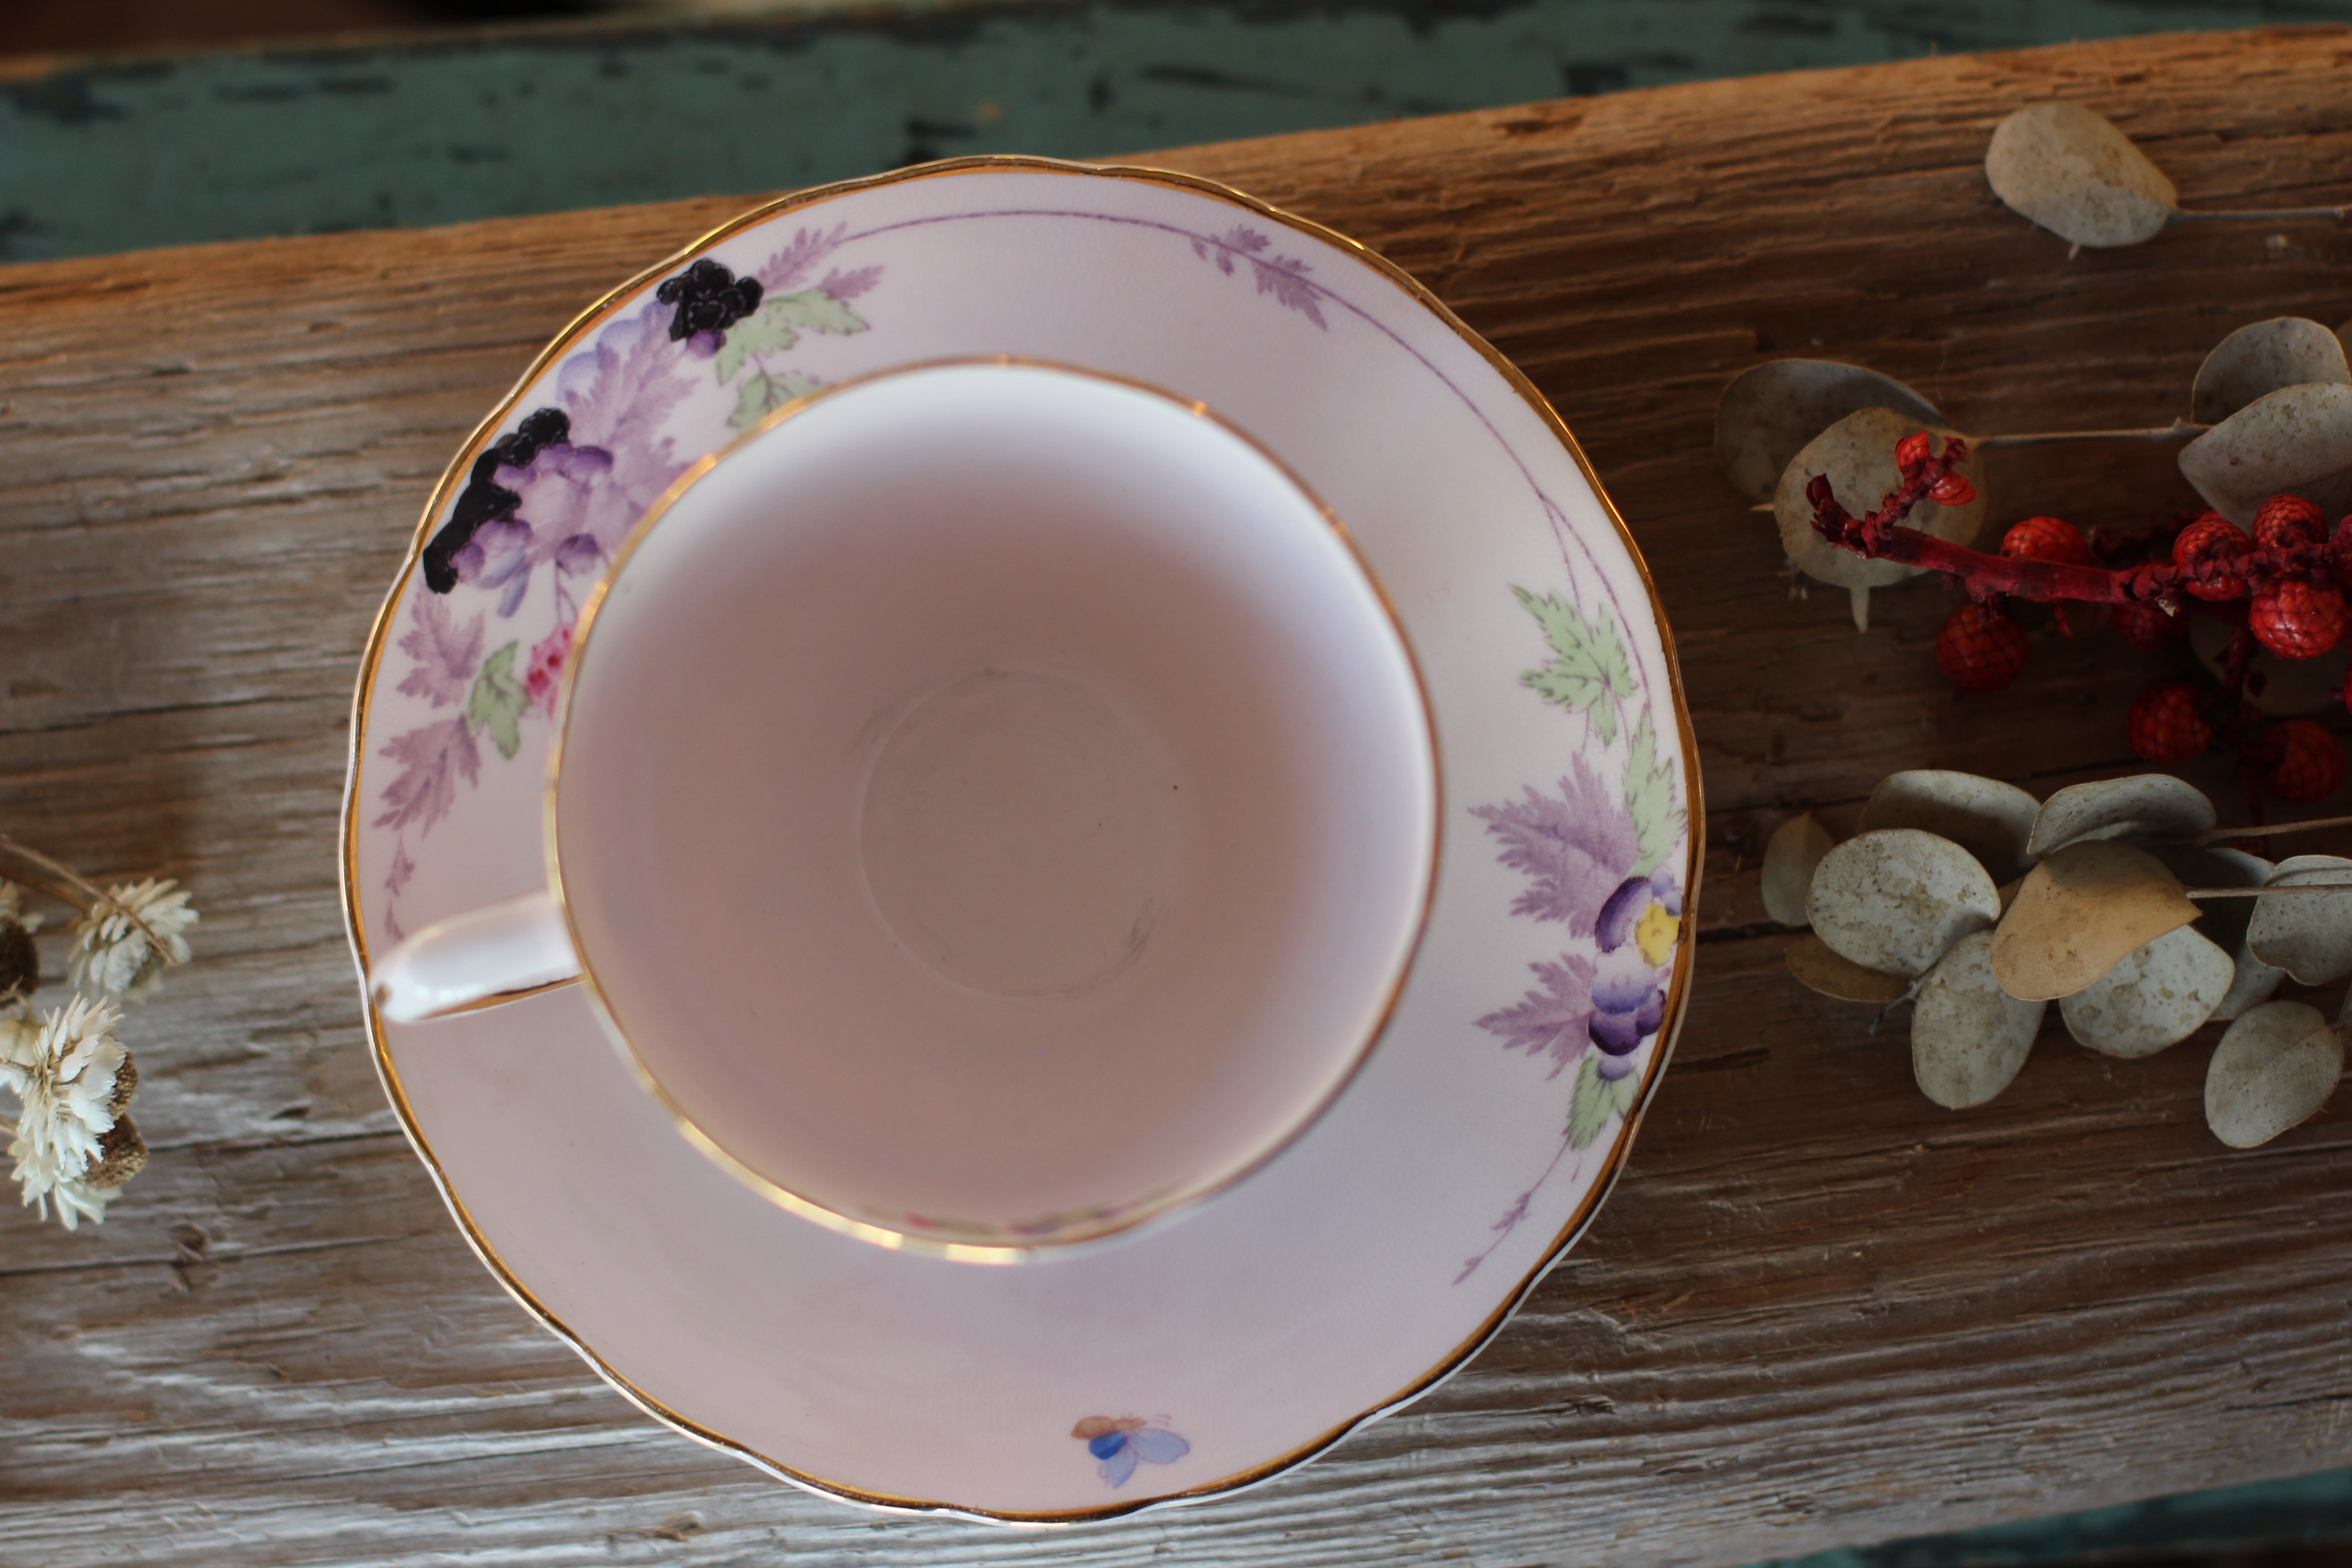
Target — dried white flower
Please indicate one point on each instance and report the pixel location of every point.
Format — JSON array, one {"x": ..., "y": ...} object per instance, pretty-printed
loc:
[
  {"x": 113, "y": 956},
  {"x": 64, "y": 1075},
  {"x": 77, "y": 1201},
  {"x": 12, "y": 907}
]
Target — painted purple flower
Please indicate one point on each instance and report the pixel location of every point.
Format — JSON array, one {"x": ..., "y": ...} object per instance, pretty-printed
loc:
[
  {"x": 484, "y": 499},
  {"x": 1118, "y": 1443},
  {"x": 498, "y": 556},
  {"x": 566, "y": 508},
  {"x": 1637, "y": 929}
]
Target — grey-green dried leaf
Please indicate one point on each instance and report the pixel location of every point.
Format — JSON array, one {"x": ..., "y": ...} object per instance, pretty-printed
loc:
[
  {"x": 2295, "y": 440},
  {"x": 2274, "y": 1069},
  {"x": 2309, "y": 935},
  {"x": 2256, "y": 361},
  {"x": 1896, "y": 900},
  {"x": 2291, "y": 688},
  {"x": 1968, "y": 1036},
  {"x": 2156, "y": 995},
  {"x": 2252, "y": 982},
  {"x": 2069, "y": 169},
  {"x": 1797, "y": 846},
  {"x": 2140, "y": 808},
  {"x": 1771, "y": 411},
  {"x": 1857, "y": 453},
  {"x": 1811, "y": 959},
  {"x": 1990, "y": 819},
  {"x": 2081, "y": 911}
]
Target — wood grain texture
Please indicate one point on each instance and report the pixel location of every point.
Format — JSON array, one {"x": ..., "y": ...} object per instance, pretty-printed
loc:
[{"x": 1817, "y": 1310}]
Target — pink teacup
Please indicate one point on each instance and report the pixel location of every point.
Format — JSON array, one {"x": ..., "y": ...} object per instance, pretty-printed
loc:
[{"x": 992, "y": 805}]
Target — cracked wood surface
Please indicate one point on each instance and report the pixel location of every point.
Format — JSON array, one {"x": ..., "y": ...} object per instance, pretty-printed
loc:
[{"x": 1818, "y": 1309}]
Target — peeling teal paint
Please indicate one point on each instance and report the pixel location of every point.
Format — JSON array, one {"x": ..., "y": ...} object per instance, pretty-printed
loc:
[{"x": 117, "y": 155}]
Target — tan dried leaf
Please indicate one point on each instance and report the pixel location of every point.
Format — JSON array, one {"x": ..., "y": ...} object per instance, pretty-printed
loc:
[
  {"x": 2297, "y": 439},
  {"x": 2069, "y": 169},
  {"x": 2257, "y": 360},
  {"x": 1811, "y": 960},
  {"x": 2080, "y": 913},
  {"x": 2274, "y": 1069},
  {"x": 1968, "y": 1036},
  {"x": 2141, "y": 807},
  {"x": 1797, "y": 846},
  {"x": 1857, "y": 453},
  {"x": 2309, "y": 935},
  {"x": 2156, "y": 995},
  {"x": 1990, "y": 819},
  {"x": 1770, "y": 411},
  {"x": 1897, "y": 900}
]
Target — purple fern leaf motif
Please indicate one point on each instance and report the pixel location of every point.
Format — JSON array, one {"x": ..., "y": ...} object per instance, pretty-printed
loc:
[
  {"x": 1283, "y": 277},
  {"x": 620, "y": 391},
  {"x": 849, "y": 285},
  {"x": 1556, "y": 1018},
  {"x": 799, "y": 259},
  {"x": 432, "y": 758},
  {"x": 446, "y": 655},
  {"x": 1575, "y": 848}
]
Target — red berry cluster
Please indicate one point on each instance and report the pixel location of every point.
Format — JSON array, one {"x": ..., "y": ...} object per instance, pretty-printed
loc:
[{"x": 2291, "y": 577}]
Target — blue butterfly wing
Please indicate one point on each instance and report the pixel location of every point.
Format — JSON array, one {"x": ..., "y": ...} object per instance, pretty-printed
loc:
[
  {"x": 1118, "y": 1466},
  {"x": 1156, "y": 1445}
]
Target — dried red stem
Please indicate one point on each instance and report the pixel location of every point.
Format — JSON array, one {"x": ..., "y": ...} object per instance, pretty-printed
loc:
[{"x": 1878, "y": 535}]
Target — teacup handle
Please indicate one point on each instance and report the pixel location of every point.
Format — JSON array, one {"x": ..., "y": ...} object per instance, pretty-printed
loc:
[{"x": 501, "y": 953}]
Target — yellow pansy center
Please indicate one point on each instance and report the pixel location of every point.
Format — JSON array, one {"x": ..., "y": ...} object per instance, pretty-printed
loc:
[{"x": 1654, "y": 935}]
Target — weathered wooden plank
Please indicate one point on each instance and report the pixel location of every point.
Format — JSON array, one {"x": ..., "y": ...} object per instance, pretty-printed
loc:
[{"x": 1817, "y": 1309}]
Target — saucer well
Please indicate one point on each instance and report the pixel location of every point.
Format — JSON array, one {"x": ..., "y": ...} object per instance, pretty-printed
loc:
[{"x": 1374, "y": 1257}]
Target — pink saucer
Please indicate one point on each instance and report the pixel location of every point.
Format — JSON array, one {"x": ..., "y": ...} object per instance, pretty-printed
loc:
[{"x": 1366, "y": 1262}]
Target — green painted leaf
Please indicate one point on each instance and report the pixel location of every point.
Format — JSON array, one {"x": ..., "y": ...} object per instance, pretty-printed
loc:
[
  {"x": 498, "y": 701},
  {"x": 1597, "y": 1100},
  {"x": 764, "y": 391},
  {"x": 766, "y": 330},
  {"x": 817, "y": 310},
  {"x": 1589, "y": 661},
  {"x": 1650, "y": 799}
]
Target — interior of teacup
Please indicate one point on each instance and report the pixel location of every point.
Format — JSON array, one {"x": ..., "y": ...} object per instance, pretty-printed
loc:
[{"x": 994, "y": 806}]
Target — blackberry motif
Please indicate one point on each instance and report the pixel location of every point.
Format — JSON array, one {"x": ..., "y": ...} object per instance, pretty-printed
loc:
[
  {"x": 484, "y": 499},
  {"x": 710, "y": 300}
]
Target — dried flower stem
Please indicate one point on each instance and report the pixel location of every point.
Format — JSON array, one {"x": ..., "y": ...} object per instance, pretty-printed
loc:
[
  {"x": 65, "y": 884},
  {"x": 2178, "y": 429},
  {"x": 2240, "y": 214},
  {"x": 2265, "y": 892},
  {"x": 2223, "y": 835}
]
